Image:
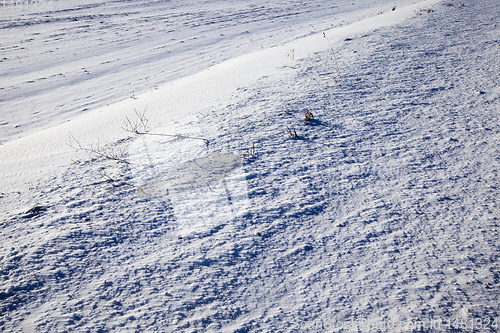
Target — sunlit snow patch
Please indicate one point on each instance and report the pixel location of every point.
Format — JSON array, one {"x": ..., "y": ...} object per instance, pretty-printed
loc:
[{"x": 206, "y": 189}]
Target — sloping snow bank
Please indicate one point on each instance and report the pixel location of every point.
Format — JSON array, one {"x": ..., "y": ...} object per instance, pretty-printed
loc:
[
  {"x": 381, "y": 216},
  {"x": 62, "y": 58},
  {"x": 43, "y": 154}
]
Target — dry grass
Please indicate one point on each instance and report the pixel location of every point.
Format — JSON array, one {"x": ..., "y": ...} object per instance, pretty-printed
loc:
[
  {"x": 250, "y": 152},
  {"x": 308, "y": 116},
  {"x": 338, "y": 76},
  {"x": 293, "y": 134},
  {"x": 139, "y": 125}
]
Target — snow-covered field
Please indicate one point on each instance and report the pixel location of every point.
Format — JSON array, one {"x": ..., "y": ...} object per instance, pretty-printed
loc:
[
  {"x": 382, "y": 215},
  {"x": 72, "y": 56}
]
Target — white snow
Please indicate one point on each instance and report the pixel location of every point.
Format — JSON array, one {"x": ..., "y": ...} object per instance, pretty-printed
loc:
[{"x": 381, "y": 216}]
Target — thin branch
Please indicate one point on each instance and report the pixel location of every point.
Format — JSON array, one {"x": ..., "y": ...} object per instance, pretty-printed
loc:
[
  {"x": 140, "y": 127},
  {"x": 338, "y": 77},
  {"x": 98, "y": 150},
  {"x": 169, "y": 135},
  {"x": 176, "y": 136}
]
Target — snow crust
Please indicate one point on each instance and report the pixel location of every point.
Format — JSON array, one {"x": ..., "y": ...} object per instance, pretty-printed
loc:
[{"x": 380, "y": 215}]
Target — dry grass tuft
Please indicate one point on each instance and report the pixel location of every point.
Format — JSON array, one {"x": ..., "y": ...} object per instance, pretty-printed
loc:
[
  {"x": 293, "y": 134},
  {"x": 308, "y": 116},
  {"x": 250, "y": 152}
]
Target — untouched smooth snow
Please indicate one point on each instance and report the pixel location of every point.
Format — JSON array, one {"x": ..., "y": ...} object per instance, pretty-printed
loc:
[{"x": 381, "y": 216}]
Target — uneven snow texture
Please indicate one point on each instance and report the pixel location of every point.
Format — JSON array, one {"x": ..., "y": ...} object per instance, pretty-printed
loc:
[
  {"x": 382, "y": 216},
  {"x": 64, "y": 57}
]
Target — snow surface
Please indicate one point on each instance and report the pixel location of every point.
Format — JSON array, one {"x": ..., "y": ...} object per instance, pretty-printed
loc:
[
  {"x": 65, "y": 57},
  {"x": 381, "y": 216}
]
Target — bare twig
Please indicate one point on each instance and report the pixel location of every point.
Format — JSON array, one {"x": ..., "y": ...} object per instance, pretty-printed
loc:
[
  {"x": 99, "y": 150},
  {"x": 338, "y": 76},
  {"x": 176, "y": 136},
  {"x": 140, "y": 127}
]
